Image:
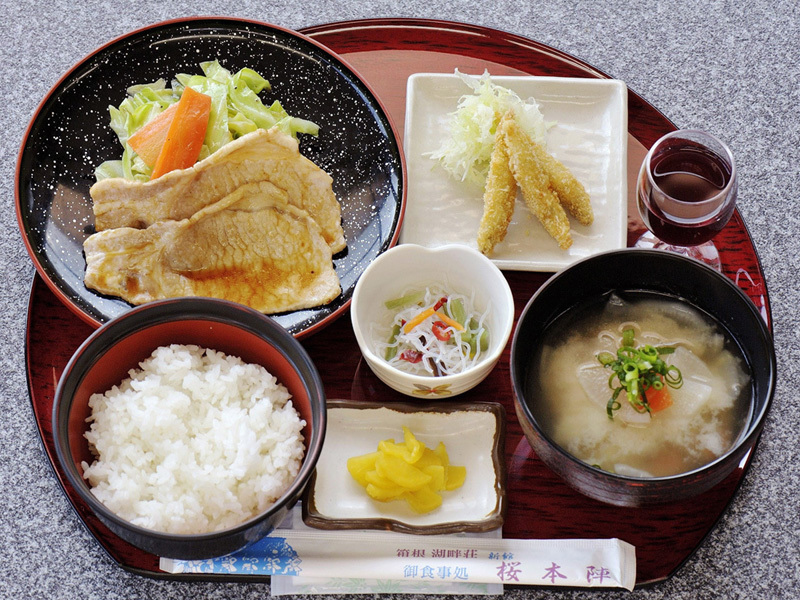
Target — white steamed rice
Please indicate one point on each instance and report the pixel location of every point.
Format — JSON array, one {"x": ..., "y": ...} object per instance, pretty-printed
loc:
[{"x": 192, "y": 442}]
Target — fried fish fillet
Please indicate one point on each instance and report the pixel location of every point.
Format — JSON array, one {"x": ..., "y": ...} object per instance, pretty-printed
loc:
[
  {"x": 570, "y": 191},
  {"x": 534, "y": 182},
  {"x": 263, "y": 155},
  {"x": 499, "y": 197},
  {"x": 251, "y": 247}
]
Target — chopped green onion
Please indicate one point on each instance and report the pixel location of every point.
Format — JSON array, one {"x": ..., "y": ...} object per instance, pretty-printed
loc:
[
  {"x": 637, "y": 370},
  {"x": 613, "y": 403},
  {"x": 627, "y": 338},
  {"x": 606, "y": 358}
]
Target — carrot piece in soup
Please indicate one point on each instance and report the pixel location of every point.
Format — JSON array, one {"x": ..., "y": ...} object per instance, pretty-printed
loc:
[
  {"x": 186, "y": 133},
  {"x": 148, "y": 141},
  {"x": 659, "y": 399}
]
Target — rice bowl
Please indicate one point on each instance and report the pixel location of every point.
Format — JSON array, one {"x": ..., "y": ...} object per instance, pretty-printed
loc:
[
  {"x": 108, "y": 356},
  {"x": 193, "y": 441}
]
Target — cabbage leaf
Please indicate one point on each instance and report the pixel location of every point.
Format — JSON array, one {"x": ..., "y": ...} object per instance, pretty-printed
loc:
[
  {"x": 236, "y": 110},
  {"x": 466, "y": 153}
]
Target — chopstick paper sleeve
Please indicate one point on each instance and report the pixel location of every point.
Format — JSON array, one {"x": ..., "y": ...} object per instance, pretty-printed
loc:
[{"x": 600, "y": 563}]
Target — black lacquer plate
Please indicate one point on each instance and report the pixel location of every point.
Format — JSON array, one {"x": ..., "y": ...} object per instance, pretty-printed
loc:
[{"x": 70, "y": 135}]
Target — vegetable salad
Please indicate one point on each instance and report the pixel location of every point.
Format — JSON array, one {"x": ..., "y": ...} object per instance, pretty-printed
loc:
[
  {"x": 235, "y": 110},
  {"x": 434, "y": 332}
]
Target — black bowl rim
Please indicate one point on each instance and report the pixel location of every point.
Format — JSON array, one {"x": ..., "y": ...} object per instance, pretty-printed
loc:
[
  {"x": 747, "y": 437},
  {"x": 181, "y": 309}
]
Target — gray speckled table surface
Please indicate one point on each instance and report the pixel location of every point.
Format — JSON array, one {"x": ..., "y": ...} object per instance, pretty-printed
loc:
[{"x": 729, "y": 67}]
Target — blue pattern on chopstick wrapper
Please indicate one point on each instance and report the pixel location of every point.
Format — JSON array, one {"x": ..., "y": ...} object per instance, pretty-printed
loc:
[{"x": 267, "y": 556}]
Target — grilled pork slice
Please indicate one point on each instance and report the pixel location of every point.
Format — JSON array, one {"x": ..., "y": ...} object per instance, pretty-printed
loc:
[
  {"x": 251, "y": 247},
  {"x": 263, "y": 155}
]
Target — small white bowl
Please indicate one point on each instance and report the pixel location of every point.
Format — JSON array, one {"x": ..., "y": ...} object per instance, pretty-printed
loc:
[{"x": 460, "y": 268}]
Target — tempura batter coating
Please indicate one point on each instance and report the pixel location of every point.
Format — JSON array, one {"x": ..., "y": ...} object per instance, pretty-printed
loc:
[
  {"x": 534, "y": 182},
  {"x": 570, "y": 191},
  {"x": 498, "y": 199}
]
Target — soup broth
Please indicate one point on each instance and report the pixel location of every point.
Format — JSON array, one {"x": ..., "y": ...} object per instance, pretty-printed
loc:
[{"x": 571, "y": 388}]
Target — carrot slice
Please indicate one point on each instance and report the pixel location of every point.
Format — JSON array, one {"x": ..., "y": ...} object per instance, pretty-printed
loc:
[
  {"x": 659, "y": 399},
  {"x": 186, "y": 133},
  {"x": 451, "y": 322},
  {"x": 148, "y": 141},
  {"x": 418, "y": 319}
]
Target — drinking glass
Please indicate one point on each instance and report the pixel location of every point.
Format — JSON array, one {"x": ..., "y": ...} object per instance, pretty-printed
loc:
[{"x": 686, "y": 194}]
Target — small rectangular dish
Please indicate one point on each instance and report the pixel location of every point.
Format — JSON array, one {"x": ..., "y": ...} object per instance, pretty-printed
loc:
[
  {"x": 589, "y": 136},
  {"x": 474, "y": 435}
]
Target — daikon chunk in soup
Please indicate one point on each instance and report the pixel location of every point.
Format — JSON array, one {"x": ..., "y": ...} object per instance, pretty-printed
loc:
[{"x": 695, "y": 409}]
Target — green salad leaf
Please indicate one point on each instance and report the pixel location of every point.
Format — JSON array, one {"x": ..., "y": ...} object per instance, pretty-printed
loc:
[{"x": 236, "y": 110}]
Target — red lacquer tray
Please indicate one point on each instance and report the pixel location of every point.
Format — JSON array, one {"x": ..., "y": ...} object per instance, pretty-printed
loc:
[{"x": 385, "y": 52}]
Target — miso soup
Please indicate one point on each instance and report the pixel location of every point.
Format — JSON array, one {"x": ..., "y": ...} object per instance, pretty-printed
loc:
[{"x": 570, "y": 387}]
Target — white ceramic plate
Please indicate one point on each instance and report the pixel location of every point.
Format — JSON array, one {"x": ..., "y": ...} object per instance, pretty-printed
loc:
[
  {"x": 473, "y": 435},
  {"x": 589, "y": 137}
]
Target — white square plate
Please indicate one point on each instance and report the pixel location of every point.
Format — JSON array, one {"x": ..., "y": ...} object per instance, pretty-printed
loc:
[
  {"x": 590, "y": 137},
  {"x": 474, "y": 436}
]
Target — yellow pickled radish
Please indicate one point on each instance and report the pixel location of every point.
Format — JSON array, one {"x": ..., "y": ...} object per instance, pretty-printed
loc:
[
  {"x": 423, "y": 500},
  {"x": 357, "y": 466},
  {"x": 407, "y": 471},
  {"x": 437, "y": 473},
  {"x": 401, "y": 473},
  {"x": 428, "y": 458},
  {"x": 454, "y": 477},
  {"x": 441, "y": 452},
  {"x": 399, "y": 450},
  {"x": 384, "y": 494},
  {"x": 376, "y": 479},
  {"x": 415, "y": 447}
]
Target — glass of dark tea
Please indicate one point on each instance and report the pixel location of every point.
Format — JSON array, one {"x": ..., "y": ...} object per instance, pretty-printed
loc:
[{"x": 686, "y": 194}]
